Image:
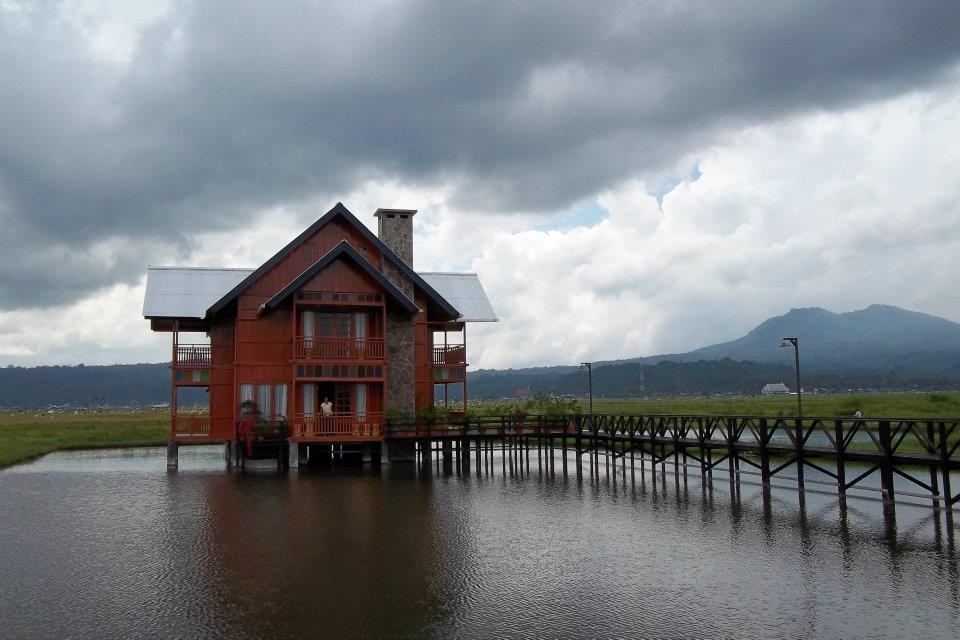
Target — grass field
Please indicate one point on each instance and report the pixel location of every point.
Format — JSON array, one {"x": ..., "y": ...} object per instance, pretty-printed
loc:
[
  {"x": 873, "y": 405},
  {"x": 24, "y": 435}
]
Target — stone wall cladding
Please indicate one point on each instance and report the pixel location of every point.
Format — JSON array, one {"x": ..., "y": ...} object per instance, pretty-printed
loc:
[
  {"x": 397, "y": 234},
  {"x": 400, "y": 363}
]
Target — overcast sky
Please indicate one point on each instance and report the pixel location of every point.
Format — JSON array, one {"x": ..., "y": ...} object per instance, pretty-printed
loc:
[{"x": 627, "y": 178}]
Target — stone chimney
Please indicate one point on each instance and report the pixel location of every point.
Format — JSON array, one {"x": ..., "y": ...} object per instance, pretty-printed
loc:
[{"x": 395, "y": 229}]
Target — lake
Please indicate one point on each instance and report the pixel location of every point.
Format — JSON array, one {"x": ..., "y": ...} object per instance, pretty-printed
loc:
[{"x": 108, "y": 544}]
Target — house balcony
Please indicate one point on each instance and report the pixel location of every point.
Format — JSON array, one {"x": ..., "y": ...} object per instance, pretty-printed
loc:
[
  {"x": 455, "y": 356},
  {"x": 338, "y": 427},
  {"x": 192, "y": 356},
  {"x": 191, "y": 425},
  {"x": 450, "y": 363},
  {"x": 191, "y": 365},
  {"x": 352, "y": 349}
]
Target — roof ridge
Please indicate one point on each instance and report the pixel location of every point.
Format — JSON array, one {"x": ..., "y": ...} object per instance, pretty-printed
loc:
[
  {"x": 171, "y": 268},
  {"x": 447, "y": 273}
]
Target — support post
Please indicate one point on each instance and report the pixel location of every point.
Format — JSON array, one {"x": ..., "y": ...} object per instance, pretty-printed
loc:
[
  {"x": 841, "y": 451},
  {"x": 764, "y": 455},
  {"x": 945, "y": 465},
  {"x": 886, "y": 466},
  {"x": 173, "y": 454}
]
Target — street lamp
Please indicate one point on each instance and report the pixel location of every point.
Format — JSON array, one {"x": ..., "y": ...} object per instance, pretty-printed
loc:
[
  {"x": 795, "y": 343},
  {"x": 589, "y": 367}
]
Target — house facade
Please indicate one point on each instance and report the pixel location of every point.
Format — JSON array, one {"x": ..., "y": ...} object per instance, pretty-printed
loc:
[{"x": 327, "y": 336}]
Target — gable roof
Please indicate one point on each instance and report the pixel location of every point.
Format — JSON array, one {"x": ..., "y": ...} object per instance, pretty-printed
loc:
[
  {"x": 343, "y": 250},
  {"x": 463, "y": 291},
  {"x": 338, "y": 211}
]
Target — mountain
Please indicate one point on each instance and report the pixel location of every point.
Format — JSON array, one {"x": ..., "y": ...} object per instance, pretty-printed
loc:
[
  {"x": 878, "y": 338},
  {"x": 880, "y": 346}
]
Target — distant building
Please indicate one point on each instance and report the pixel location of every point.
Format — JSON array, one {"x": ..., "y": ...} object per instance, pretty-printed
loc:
[{"x": 774, "y": 388}]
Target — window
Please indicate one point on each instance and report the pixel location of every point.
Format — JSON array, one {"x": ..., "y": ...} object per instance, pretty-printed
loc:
[
  {"x": 263, "y": 400},
  {"x": 280, "y": 402},
  {"x": 360, "y": 395},
  {"x": 339, "y": 371},
  {"x": 342, "y": 401},
  {"x": 306, "y": 321},
  {"x": 309, "y": 393}
]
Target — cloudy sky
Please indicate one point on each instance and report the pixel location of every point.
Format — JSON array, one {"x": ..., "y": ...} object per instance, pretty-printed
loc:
[{"x": 627, "y": 178}]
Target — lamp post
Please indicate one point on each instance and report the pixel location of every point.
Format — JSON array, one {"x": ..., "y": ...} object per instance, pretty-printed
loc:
[
  {"x": 795, "y": 343},
  {"x": 589, "y": 366}
]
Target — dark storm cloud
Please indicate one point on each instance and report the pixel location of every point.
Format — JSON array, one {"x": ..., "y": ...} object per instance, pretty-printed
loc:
[{"x": 518, "y": 105}]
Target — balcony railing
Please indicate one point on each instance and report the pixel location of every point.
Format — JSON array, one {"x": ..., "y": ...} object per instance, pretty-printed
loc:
[
  {"x": 191, "y": 424},
  {"x": 192, "y": 355},
  {"x": 455, "y": 356},
  {"x": 340, "y": 425},
  {"x": 338, "y": 348}
]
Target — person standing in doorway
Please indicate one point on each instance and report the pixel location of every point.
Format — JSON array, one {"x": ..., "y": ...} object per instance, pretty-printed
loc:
[{"x": 326, "y": 407}]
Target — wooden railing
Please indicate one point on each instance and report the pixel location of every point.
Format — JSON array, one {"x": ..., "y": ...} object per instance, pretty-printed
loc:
[
  {"x": 191, "y": 424},
  {"x": 455, "y": 356},
  {"x": 192, "y": 355},
  {"x": 339, "y": 425},
  {"x": 338, "y": 348}
]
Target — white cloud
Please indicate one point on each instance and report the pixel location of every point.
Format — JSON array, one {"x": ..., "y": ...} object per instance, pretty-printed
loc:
[
  {"x": 834, "y": 210},
  {"x": 839, "y": 210}
]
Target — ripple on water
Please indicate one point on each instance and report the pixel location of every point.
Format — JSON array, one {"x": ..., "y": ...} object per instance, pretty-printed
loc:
[{"x": 107, "y": 543}]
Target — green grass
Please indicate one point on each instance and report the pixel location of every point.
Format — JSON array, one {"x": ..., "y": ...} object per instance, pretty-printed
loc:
[
  {"x": 873, "y": 405},
  {"x": 25, "y": 435}
]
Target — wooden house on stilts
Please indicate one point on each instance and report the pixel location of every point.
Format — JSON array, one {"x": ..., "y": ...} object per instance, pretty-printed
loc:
[{"x": 324, "y": 338}]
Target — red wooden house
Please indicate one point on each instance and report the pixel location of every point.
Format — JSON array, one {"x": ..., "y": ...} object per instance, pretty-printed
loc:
[{"x": 337, "y": 316}]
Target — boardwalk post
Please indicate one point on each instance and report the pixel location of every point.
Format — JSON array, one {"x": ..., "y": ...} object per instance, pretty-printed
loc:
[
  {"x": 798, "y": 448},
  {"x": 764, "y": 455},
  {"x": 565, "y": 424},
  {"x": 945, "y": 464},
  {"x": 934, "y": 481},
  {"x": 841, "y": 450},
  {"x": 731, "y": 451},
  {"x": 886, "y": 464}
]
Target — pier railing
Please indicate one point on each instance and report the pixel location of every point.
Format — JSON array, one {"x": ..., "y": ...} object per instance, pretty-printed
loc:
[{"x": 923, "y": 452}]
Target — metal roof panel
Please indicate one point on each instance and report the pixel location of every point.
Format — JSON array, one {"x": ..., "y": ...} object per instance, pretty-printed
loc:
[
  {"x": 187, "y": 292},
  {"x": 464, "y": 292}
]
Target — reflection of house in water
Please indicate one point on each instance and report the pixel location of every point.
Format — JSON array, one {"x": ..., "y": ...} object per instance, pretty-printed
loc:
[{"x": 327, "y": 335}]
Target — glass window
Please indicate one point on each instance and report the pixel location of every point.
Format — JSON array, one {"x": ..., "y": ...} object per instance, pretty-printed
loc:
[
  {"x": 309, "y": 392},
  {"x": 280, "y": 401},
  {"x": 263, "y": 400}
]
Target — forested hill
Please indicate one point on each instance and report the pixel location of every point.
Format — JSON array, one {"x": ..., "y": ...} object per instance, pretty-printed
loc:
[
  {"x": 113, "y": 385},
  {"x": 702, "y": 377}
]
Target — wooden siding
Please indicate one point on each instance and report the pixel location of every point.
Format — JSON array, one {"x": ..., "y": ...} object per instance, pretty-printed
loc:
[{"x": 222, "y": 405}]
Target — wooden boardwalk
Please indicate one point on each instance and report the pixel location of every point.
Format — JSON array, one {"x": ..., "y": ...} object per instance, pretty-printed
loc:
[{"x": 922, "y": 452}]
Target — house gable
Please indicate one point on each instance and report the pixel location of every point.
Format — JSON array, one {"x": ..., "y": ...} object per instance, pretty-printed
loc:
[
  {"x": 342, "y": 252},
  {"x": 336, "y": 225}
]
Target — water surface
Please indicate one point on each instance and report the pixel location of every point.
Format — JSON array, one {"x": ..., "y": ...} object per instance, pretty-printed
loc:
[{"x": 108, "y": 544}]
